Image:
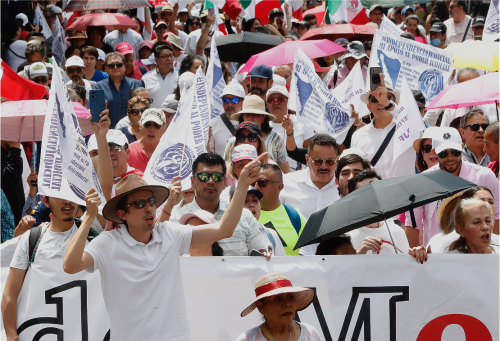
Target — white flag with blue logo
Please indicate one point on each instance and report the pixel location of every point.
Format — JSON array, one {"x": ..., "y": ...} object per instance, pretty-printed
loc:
[
  {"x": 216, "y": 81},
  {"x": 59, "y": 44},
  {"x": 40, "y": 20},
  {"x": 491, "y": 30},
  {"x": 186, "y": 138},
  {"x": 315, "y": 105}
]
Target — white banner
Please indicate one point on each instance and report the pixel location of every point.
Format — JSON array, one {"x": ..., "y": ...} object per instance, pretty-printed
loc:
[
  {"x": 388, "y": 26},
  {"x": 185, "y": 138},
  {"x": 216, "y": 81},
  {"x": 363, "y": 297},
  {"x": 315, "y": 105},
  {"x": 491, "y": 30},
  {"x": 40, "y": 20},
  {"x": 59, "y": 44},
  {"x": 426, "y": 68}
]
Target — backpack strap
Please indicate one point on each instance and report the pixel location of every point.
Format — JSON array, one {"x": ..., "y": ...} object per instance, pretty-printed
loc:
[
  {"x": 228, "y": 124},
  {"x": 270, "y": 237},
  {"x": 383, "y": 146},
  {"x": 35, "y": 233},
  {"x": 270, "y": 226},
  {"x": 466, "y": 30},
  {"x": 294, "y": 217}
]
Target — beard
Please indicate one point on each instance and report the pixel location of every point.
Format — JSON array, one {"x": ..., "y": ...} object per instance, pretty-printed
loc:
[{"x": 257, "y": 91}]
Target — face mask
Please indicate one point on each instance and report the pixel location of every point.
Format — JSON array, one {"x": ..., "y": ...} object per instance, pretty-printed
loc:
[{"x": 435, "y": 42}]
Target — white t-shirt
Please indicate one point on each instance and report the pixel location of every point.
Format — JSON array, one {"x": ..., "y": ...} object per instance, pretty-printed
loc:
[
  {"x": 220, "y": 135},
  {"x": 399, "y": 235},
  {"x": 159, "y": 87},
  {"x": 142, "y": 283},
  {"x": 455, "y": 32},
  {"x": 442, "y": 241}
]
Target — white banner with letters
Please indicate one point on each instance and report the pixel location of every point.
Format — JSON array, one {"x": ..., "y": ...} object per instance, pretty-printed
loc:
[
  {"x": 363, "y": 297},
  {"x": 388, "y": 26},
  {"x": 491, "y": 30}
]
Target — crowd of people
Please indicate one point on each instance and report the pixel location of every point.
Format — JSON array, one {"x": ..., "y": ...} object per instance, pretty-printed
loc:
[{"x": 265, "y": 172}]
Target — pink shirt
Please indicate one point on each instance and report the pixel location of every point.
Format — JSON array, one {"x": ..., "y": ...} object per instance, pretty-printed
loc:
[
  {"x": 138, "y": 158},
  {"x": 479, "y": 175}
]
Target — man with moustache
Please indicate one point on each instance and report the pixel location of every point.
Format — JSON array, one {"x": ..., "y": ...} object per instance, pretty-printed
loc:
[
  {"x": 261, "y": 80},
  {"x": 74, "y": 69}
]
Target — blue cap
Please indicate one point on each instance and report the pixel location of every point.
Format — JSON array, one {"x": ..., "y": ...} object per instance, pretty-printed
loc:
[
  {"x": 261, "y": 71},
  {"x": 403, "y": 11}
]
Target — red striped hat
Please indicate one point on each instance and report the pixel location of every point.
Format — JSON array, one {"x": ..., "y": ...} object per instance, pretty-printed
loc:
[{"x": 278, "y": 283}]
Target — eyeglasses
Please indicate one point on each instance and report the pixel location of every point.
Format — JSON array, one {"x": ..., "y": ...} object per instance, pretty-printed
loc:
[
  {"x": 141, "y": 203},
  {"x": 372, "y": 99},
  {"x": 115, "y": 148},
  {"x": 195, "y": 23},
  {"x": 216, "y": 176},
  {"x": 427, "y": 148},
  {"x": 147, "y": 125},
  {"x": 40, "y": 80},
  {"x": 234, "y": 100},
  {"x": 112, "y": 66},
  {"x": 73, "y": 70},
  {"x": 137, "y": 111},
  {"x": 476, "y": 126},
  {"x": 166, "y": 56},
  {"x": 276, "y": 100},
  {"x": 252, "y": 137},
  {"x": 263, "y": 182},
  {"x": 444, "y": 153},
  {"x": 319, "y": 161}
]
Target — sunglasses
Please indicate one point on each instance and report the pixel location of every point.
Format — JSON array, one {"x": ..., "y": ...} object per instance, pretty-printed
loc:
[
  {"x": 147, "y": 125},
  {"x": 216, "y": 176},
  {"x": 137, "y": 111},
  {"x": 40, "y": 80},
  {"x": 235, "y": 100},
  {"x": 115, "y": 148},
  {"x": 73, "y": 70},
  {"x": 444, "y": 153},
  {"x": 372, "y": 99},
  {"x": 476, "y": 126},
  {"x": 263, "y": 182},
  {"x": 276, "y": 100},
  {"x": 141, "y": 203},
  {"x": 319, "y": 161},
  {"x": 426, "y": 148},
  {"x": 112, "y": 66},
  {"x": 252, "y": 137}
]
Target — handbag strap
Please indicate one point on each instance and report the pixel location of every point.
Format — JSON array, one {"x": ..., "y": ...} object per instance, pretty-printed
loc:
[
  {"x": 383, "y": 146},
  {"x": 228, "y": 124},
  {"x": 466, "y": 30},
  {"x": 266, "y": 332}
]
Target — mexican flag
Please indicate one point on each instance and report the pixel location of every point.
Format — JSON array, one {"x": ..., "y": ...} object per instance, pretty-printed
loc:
[
  {"x": 351, "y": 11},
  {"x": 232, "y": 8},
  {"x": 295, "y": 6},
  {"x": 260, "y": 9},
  {"x": 219, "y": 23}
]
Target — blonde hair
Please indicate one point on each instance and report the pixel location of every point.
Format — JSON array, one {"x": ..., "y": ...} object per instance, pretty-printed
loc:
[
  {"x": 261, "y": 150},
  {"x": 134, "y": 100},
  {"x": 461, "y": 214}
]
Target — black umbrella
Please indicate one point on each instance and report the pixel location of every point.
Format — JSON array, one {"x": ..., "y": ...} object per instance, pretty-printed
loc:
[
  {"x": 240, "y": 47},
  {"x": 380, "y": 200}
]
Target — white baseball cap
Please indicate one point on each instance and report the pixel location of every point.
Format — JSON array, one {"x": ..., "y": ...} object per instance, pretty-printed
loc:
[
  {"x": 350, "y": 151},
  {"x": 101, "y": 55},
  {"x": 38, "y": 69},
  {"x": 74, "y": 61},
  {"x": 446, "y": 138},
  {"x": 116, "y": 137},
  {"x": 278, "y": 80},
  {"x": 234, "y": 89},
  {"x": 205, "y": 216},
  {"x": 277, "y": 89},
  {"x": 150, "y": 60},
  {"x": 244, "y": 152},
  {"x": 23, "y": 17},
  {"x": 153, "y": 115},
  {"x": 56, "y": 10},
  {"x": 92, "y": 143}
]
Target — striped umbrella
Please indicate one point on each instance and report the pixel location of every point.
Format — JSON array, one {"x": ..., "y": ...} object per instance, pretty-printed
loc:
[{"x": 92, "y": 5}]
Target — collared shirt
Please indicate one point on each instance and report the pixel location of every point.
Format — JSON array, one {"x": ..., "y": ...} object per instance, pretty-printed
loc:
[
  {"x": 469, "y": 156},
  {"x": 246, "y": 236},
  {"x": 426, "y": 214},
  {"x": 117, "y": 99},
  {"x": 159, "y": 87},
  {"x": 220, "y": 135},
  {"x": 455, "y": 32},
  {"x": 132, "y": 37},
  {"x": 144, "y": 279}
]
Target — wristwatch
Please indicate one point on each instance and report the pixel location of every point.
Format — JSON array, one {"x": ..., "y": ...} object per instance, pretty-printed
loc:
[{"x": 390, "y": 106}]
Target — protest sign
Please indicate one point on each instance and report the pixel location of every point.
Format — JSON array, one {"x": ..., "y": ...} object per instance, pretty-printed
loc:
[
  {"x": 388, "y": 26},
  {"x": 216, "y": 81},
  {"x": 491, "y": 30},
  {"x": 185, "y": 138},
  {"x": 364, "y": 297},
  {"x": 426, "y": 68},
  {"x": 316, "y": 106},
  {"x": 40, "y": 20},
  {"x": 59, "y": 43}
]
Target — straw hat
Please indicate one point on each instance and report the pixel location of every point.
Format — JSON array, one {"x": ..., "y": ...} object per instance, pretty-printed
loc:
[
  {"x": 126, "y": 186},
  {"x": 253, "y": 104},
  {"x": 279, "y": 283}
]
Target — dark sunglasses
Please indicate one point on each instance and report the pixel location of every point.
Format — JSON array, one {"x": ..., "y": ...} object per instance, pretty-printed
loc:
[
  {"x": 73, "y": 70},
  {"x": 263, "y": 182},
  {"x": 372, "y": 99},
  {"x": 112, "y": 66},
  {"x": 40, "y": 80},
  {"x": 476, "y": 126},
  {"x": 426, "y": 148},
  {"x": 195, "y": 23},
  {"x": 319, "y": 161},
  {"x": 142, "y": 203},
  {"x": 444, "y": 153},
  {"x": 147, "y": 125},
  {"x": 137, "y": 111},
  {"x": 252, "y": 137},
  {"x": 216, "y": 176},
  {"x": 235, "y": 100},
  {"x": 114, "y": 147}
]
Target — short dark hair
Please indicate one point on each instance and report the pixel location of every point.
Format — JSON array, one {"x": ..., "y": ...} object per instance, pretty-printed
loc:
[
  {"x": 463, "y": 4},
  {"x": 367, "y": 45},
  {"x": 274, "y": 167},
  {"x": 160, "y": 46},
  {"x": 493, "y": 129},
  {"x": 33, "y": 48},
  {"x": 330, "y": 246},
  {"x": 469, "y": 192},
  {"x": 99, "y": 29},
  {"x": 113, "y": 54},
  {"x": 322, "y": 140},
  {"x": 79, "y": 89},
  {"x": 134, "y": 92},
  {"x": 347, "y": 160},
  {"x": 309, "y": 17},
  {"x": 209, "y": 159},
  {"x": 470, "y": 114},
  {"x": 69, "y": 51},
  {"x": 365, "y": 174},
  {"x": 91, "y": 50}
]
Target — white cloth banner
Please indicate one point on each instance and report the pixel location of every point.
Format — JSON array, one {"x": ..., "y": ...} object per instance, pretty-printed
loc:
[
  {"x": 388, "y": 26},
  {"x": 59, "y": 44},
  {"x": 409, "y": 125},
  {"x": 426, "y": 68},
  {"x": 40, "y": 20},
  {"x": 316, "y": 106},
  {"x": 491, "y": 30},
  {"x": 216, "y": 81},
  {"x": 376, "y": 297},
  {"x": 185, "y": 138}
]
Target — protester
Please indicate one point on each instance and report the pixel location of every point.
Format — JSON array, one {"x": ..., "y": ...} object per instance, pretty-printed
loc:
[
  {"x": 243, "y": 153},
  {"x": 96, "y": 36},
  {"x": 302, "y": 27},
  {"x": 78, "y": 94},
  {"x": 161, "y": 27},
  {"x": 191, "y": 63},
  {"x": 491, "y": 146},
  {"x": 355, "y": 53},
  {"x": 38, "y": 73},
  {"x": 261, "y": 80},
  {"x": 136, "y": 107},
  {"x": 13, "y": 48},
  {"x": 90, "y": 56},
  {"x": 131, "y": 70},
  {"x": 478, "y": 27},
  {"x": 12, "y": 169},
  {"x": 177, "y": 49},
  {"x": 74, "y": 69},
  {"x": 350, "y": 163},
  {"x": 376, "y": 14},
  {"x": 169, "y": 108},
  {"x": 78, "y": 39},
  {"x": 145, "y": 50},
  {"x": 201, "y": 218},
  {"x": 412, "y": 27},
  {"x": 438, "y": 35},
  {"x": 426, "y": 157},
  {"x": 126, "y": 35},
  {"x": 7, "y": 219},
  {"x": 459, "y": 24},
  {"x": 472, "y": 129}
]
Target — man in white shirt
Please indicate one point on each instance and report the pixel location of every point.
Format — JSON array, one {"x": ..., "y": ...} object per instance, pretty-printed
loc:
[
  {"x": 74, "y": 69},
  {"x": 126, "y": 35},
  {"x": 458, "y": 24},
  {"x": 232, "y": 101},
  {"x": 143, "y": 257},
  {"x": 161, "y": 81}
]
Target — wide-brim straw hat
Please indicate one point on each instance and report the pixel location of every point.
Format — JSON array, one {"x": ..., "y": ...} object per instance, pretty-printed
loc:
[
  {"x": 127, "y": 185},
  {"x": 253, "y": 104},
  {"x": 278, "y": 283}
]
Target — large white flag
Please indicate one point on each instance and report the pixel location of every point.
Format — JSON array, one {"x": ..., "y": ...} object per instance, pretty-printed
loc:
[
  {"x": 409, "y": 124},
  {"x": 40, "y": 20},
  {"x": 216, "y": 81},
  {"x": 185, "y": 138},
  {"x": 58, "y": 44},
  {"x": 388, "y": 26},
  {"x": 315, "y": 105},
  {"x": 492, "y": 26}
]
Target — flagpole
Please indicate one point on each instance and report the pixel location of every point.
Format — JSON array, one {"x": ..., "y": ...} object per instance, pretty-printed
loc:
[{"x": 84, "y": 163}]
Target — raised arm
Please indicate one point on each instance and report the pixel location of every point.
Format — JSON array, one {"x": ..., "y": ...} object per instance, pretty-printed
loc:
[
  {"x": 171, "y": 24},
  {"x": 147, "y": 23},
  {"x": 202, "y": 42}
]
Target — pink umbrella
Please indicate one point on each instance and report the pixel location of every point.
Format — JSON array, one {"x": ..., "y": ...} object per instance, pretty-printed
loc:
[
  {"x": 480, "y": 90},
  {"x": 285, "y": 53},
  {"x": 111, "y": 21},
  {"x": 22, "y": 121}
]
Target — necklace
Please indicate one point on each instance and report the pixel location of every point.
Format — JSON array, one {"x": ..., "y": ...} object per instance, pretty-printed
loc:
[{"x": 271, "y": 335}]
